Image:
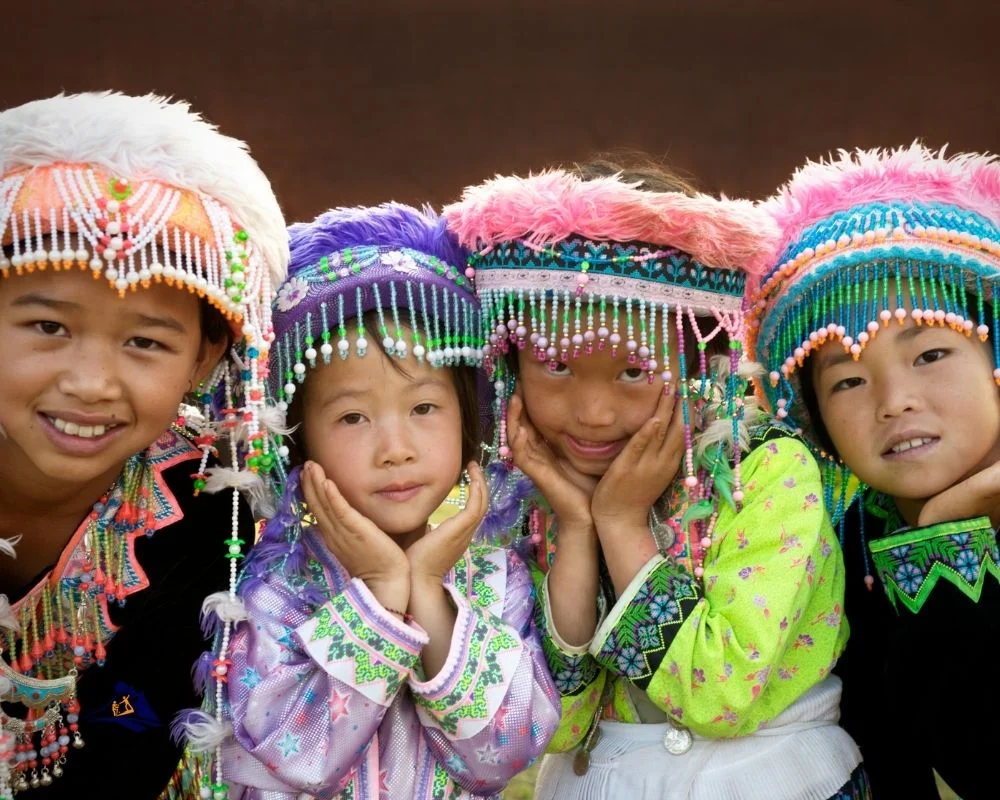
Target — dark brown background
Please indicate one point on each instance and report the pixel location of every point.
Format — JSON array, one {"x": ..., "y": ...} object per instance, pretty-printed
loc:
[{"x": 358, "y": 102}]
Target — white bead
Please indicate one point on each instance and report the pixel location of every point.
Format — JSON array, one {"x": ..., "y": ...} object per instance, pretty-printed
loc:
[
  {"x": 113, "y": 228},
  {"x": 144, "y": 274},
  {"x": 283, "y": 451},
  {"x": 54, "y": 255},
  {"x": 41, "y": 256},
  {"x": 81, "y": 255},
  {"x": 362, "y": 343},
  {"x": 388, "y": 343},
  {"x": 113, "y": 206},
  {"x": 117, "y": 243},
  {"x": 299, "y": 369},
  {"x": 169, "y": 271},
  {"x": 132, "y": 277},
  {"x": 248, "y": 329},
  {"x": 4, "y": 262},
  {"x": 16, "y": 260},
  {"x": 400, "y": 348},
  {"x": 96, "y": 265},
  {"x": 235, "y": 549},
  {"x": 282, "y": 405},
  {"x": 110, "y": 254},
  {"x": 205, "y": 792},
  {"x": 418, "y": 351},
  {"x": 326, "y": 348},
  {"x": 68, "y": 254},
  {"x": 156, "y": 268},
  {"x": 111, "y": 274},
  {"x": 289, "y": 388},
  {"x": 343, "y": 345},
  {"x": 233, "y": 291},
  {"x": 466, "y": 352},
  {"x": 121, "y": 284},
  {"x": 311, "y": 353},
  {"x": 449, "y": 353},
  {"x": 203, "y": 284}
]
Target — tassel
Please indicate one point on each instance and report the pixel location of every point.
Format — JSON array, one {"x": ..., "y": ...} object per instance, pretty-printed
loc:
[
  {"x": 220, "y": 605},
  {"x": 250, "y": 485}
]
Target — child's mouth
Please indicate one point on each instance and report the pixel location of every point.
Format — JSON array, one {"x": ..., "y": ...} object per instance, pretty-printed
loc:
[
  {"x": 586, "y": 448},
  {"x": 911, "y": 447},
  {"x": 399, "y": 493},
  {"x": 77, "y": 438}
]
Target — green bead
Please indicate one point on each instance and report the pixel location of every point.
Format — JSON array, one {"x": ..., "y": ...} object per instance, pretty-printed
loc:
[
  {"x": 584, "y": 265},
  {"x": 253, "y": 461},
  {"x": 199, "y": 484},
  {"x": 241, "y": 236},
  {"x": 266, "y": 462}
]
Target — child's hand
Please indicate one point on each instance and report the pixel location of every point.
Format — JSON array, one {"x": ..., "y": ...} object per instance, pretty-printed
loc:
[
  {"x": 565, "y": 490},
  {"x": 364, "y": 551},
  {"x": 642, "y": 471},
  {"x": 976, "y": 496},
  {"x": 433, "y": 554}
]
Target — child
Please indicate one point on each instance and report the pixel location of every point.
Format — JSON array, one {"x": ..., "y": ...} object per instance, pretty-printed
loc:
[
  {"x": 690, "y": 622},
  {"x": 878, "y": 326},
  {"x": 109, "y": 205},
  {"x": 382, "y": 658}
]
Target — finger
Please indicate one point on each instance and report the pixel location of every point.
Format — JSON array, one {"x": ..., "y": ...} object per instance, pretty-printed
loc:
[
  {"x": 478, "y": 500},
  {"x": 672, "y": 436},
  {"x": 665, "y": 407}
]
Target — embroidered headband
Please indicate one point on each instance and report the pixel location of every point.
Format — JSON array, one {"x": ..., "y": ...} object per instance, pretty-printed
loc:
[
  {"x": 860, "y": 232},
  {"x": 393, "y": 260}
]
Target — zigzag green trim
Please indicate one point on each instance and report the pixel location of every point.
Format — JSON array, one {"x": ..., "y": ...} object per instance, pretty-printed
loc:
[{"x": 911, "y": 563}]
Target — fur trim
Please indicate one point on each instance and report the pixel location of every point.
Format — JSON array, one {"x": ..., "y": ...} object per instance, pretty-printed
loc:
[
  {"x": 387, "y": 225},
  {"x": 7, "y": 546},
  {"x": 915, "y": 173},
  {"x": 555, "y": 204},
  {"x": 202, "y": 732},
  {"x": 250, "y": 485},
  {"x": 149, "y": 137}
]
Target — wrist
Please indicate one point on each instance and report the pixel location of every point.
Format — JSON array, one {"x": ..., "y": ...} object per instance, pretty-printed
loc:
[
  {"x": 624, "y": 523},
  {"x": 391, "y": 593}
]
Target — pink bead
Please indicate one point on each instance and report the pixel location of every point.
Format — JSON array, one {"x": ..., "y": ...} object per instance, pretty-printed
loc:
[
  {"x": 615, "y": 339},
  {"x": 863, "y": 337},
  {"x": 855, "y": 349},
  {"x": 470, "y": 273},
  {"x": 521, "y": 331},
  {"x": 782, "y": 413},
  {"x": 588, "y": 336},
  {"x": 533, "y": 338},
  {"x": 706, "y": 542},
  {"x": 982, "y": 330},
  {"x": 690, "y": 481},
  {"x": 738, "y": 496},
  {"x": 939, "y": 315},
  {"x": 644, "y": 352},
  {"x": 782, "y": 402},
  {"x": 847, "y": 341},
  {"x": 996, "y": 374},
  {"x": 807, "y": 346},
  {"x": 543, "y": 342},
  {"x": 900, "y": 314},
  {"x": 873, "y": 326},
  {"x": 917, "y": 314},
  {"x": 814, "y": 337},
  {"x": 699, "y": 571},
  {"x": 885, "y": 315},
  {"x": 631, "y": 345},
  {"x": 775, "y": 377},
  {"x": 800, "y": 352},
  {"x": 502, "y": 331},
  {"x": 832, "y": 327},
  {"x": 790, "y": 362},
  {"x": 602, "y": 332},
  {"x": 652, "y": 365},
  {"x": 841, "y": 330},
  {"x": 869, "y": 582},
  {"x": 552, "y": 353},
  {"x": 564, "y": 343},
  {"x": 582, "y": 279},
  {"x": 667, "y": 376},
  {"x": 950, "y": 317},
  {"x": 577, "y": 339}
]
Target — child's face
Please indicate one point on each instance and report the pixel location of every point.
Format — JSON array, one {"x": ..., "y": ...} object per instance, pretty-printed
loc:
[
  {"x": 391, "y": 442},
  {"x": 89, "y": 379},
  {"x": 589, "y": 407},
  {"x": 918, "y": 412}
]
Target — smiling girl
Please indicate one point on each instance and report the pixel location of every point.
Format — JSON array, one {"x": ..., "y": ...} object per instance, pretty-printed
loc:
[
  {"x": 109, "y": 205},
  {"x": 878, "y": 323}
]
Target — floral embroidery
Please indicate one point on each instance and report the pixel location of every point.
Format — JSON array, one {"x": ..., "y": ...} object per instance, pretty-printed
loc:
[
  {"x": 292, "y": 292},
  {"x": 911, "y": 563},
  {"x": 640, "y": 638}
]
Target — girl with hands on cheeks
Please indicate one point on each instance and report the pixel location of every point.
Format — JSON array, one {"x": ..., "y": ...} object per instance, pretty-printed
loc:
[
  {"x": 382, "y": 656},
  {"x": 689, "y": 583}
]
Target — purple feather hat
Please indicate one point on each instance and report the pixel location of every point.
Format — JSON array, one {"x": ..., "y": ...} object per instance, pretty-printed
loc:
[{"x": 395, "y": 260}]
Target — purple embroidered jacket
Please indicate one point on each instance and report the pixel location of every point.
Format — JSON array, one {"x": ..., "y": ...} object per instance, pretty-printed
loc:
[{"x": 327, "y": 695}]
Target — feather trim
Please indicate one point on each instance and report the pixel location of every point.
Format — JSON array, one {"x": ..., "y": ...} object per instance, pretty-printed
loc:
[
  {"x": 8, "y": 619},
  {"x": 556, "y": 204},
  {"x": 249, "y": 484},
  {"x": 219, "y": 606},
  {"x": 7, "y": 546},
  {"x": 202, "y": 732}
]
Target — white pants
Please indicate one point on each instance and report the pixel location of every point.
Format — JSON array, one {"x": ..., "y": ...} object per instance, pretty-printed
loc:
[{"x": 802, "y": 755}]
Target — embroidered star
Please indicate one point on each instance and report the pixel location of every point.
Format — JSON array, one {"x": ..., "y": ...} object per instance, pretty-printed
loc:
[
  {"x": 338, "y": 705},
  {"x": 289, "y": 745},
  {"x": 488, "y": 755},
  {"x": 286, "y": 640},
  {"x": 250, "y": 678}
]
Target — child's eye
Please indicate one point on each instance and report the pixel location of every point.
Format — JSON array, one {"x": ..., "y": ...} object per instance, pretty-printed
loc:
[
  {"x": 930, "y": 356},
  {"x": 353, "y": 418},
  {"x": 142, "y": 343},
  {"x": 847, "y": 383},
  {"x": 556, "y": 368},
  {"x": 424, "y": 409},
  {"x": 632, "y": 375},
  {"x": 50, "y": 328}
]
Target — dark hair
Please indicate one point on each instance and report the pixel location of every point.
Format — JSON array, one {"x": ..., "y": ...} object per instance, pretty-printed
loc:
[
  {"x": 464, "y": 379},
  {"x": 807, "y": 390}
]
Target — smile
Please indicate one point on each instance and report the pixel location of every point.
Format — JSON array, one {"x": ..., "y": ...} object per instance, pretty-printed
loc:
[
  {"x": 81, "y": 431},
  {"x": 586, "y": 448},
  {"x": 78, "y": 439},
  {"x": 915, "y": 445}
]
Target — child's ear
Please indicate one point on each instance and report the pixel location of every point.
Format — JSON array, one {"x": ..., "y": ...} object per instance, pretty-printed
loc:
[{"x": 209, "y": 355}]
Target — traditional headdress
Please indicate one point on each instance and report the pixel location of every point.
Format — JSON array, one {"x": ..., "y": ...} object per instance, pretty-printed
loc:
[
  {"x": 564, "y": 265},
  {"x": 138, "y": 190},
  {"x": 857, "y": 233}
]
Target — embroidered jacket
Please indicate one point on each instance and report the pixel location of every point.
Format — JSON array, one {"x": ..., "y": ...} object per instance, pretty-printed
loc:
[
  {"x": 924, "y": 635},
  {"x": 328, "y": 697},
  {"x": 725, "y": 655},
  {"x": 151, "y": 639}
]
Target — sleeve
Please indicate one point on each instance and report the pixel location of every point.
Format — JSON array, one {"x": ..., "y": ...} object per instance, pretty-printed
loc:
[
  {"x": 768, "y": 624},
  {"x": 910, "y": 564},
  {"x": 490, "y": 711},
  {"x": 309, "y": 686},
  {"x": 578, "y": 677}
]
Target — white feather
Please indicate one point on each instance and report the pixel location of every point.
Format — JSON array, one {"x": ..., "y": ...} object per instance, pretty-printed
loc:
[
  {"x": 226, "y": 608},
  {"x": 7, "y": 617},
  {"x": 204, "y": 732},
  {"x": 7, "y": 546},
  {"x": 144, "y": 138},
  {"x": 273, "y": 419},
  {"x": 250, "y": 485}
]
